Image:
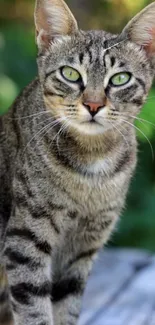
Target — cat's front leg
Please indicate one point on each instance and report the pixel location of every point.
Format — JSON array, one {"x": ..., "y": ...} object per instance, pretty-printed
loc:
[
  {"x": 67, "y": 293},
  {"x": 28, "y": 256}
]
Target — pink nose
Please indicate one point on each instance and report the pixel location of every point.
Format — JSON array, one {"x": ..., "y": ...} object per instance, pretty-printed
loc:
[{"x": 93, "y": 107}]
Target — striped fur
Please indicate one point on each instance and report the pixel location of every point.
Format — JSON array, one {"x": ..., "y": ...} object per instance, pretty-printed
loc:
[{"x": 65, "y": 174}]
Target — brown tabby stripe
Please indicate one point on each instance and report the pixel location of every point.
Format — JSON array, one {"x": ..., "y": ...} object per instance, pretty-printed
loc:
[
  {"x": 10, "y": 266},
  {"x": 121, "y": 64},
  {"x": 106, "y": 223},
  {"x": 25, "y": 233},
  {"x": 37, "y": 316},
  {"x": 75, "y": 315},
  {"x": 86, "y": 254},
  {"x": 137, "y": 101},
  {"x": 83, "y": 255},
  {"x": 113, "y": 61},
  {"x": 72, "y": 214},
  {"x": 129, "y": 92},
  {"x": 106, "y": 45},
  {"x": 42, "y": 213},
  {"x": 89, "y": 52},
  {"x": 110, "y": 209},
  {"x": 19, "y": 258},
  {"x": 3, "y": 297},
  {"x": 54, "y": 206},
  {"x": 22, "y": 292},
  {"x": 142, "y": 83},
  {"x": 66, "y": 287},
  {"x": 15, "y": 124},
  {"x": 26, "y": 184},
  {"x": 37, "y": 211},
  {"x": 14, "y": 306},
  {"x": 50, "y": 93},
  {"x": 64, "y": 160},
  {"x": 34, "y": 315},
  {"x": 49, "y": 74},
  {"x": 123, "y": 162},
  {"x": 81, "y": 57}
]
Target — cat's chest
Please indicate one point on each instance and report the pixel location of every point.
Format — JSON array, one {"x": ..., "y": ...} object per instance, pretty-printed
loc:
[
  {"x": 91, "y": 194},
  {"x": 83, "y": 234}
]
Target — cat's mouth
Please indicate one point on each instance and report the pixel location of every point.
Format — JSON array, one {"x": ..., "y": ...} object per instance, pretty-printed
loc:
[{"x": 92, "y": 121}]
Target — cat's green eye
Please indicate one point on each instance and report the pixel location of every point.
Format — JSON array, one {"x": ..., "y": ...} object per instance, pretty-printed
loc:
[
  {"x": 70, "y": 74},
  {"x": 120, "y": 79}
]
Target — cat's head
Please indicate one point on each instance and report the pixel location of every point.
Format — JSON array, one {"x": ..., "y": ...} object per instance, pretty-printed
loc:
[{"x": 93, "y": 81}]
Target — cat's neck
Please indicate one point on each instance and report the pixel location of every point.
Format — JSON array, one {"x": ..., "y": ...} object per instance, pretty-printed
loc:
[{"x": 86, "y": 154}]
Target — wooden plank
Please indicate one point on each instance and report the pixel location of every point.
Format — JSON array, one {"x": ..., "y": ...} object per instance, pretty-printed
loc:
[
  {"x": 103, "y": 285},
  {"x": 120, "y": 290},
  {"x": 151, "y": 320}
]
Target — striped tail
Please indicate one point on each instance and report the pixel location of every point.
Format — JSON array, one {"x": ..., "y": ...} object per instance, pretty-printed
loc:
[{"x": 6, "y": 315}]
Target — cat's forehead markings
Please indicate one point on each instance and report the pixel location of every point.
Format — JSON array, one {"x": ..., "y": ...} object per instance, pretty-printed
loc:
[
  {"x": 107, "y": 58},
  {"x": 116, "y": 44}
]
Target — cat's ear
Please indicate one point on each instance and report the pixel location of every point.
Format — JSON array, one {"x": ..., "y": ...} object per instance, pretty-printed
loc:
[
  {"x": 141, "y": 29},
  {"x": 53, "y": 19}
]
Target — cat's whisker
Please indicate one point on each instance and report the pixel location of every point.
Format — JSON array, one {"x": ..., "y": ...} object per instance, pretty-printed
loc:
[
  {"x": 109, "y": 48},
  {"x": 121, "y": 135},
  {"x": 135, "y": 127},
  {"x": 143, "y": 120},
  {"x": 54, "y": 118},
  {"x": 57, "y": 138},
  {"x": 135, "y": 117},
  {"x": 53, "y": 123},
  {"x": 49, "y": 127},
  {"x": 149, "y": 98},
  {"x": 63, "y": 128},
  {"x": 145, "y": 100},
  {"x": 114, "y": 126},
  {"x": 58, "y": 134},
  {"x": 29, "y": 116}
]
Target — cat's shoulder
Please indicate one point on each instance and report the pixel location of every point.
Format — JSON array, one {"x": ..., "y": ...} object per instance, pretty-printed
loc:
[
  {"x": 28, "y": 98},
  {"x": 31, "y": 90}
]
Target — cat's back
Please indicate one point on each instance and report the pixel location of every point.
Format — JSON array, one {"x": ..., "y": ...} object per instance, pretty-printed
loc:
[
  {"x": 11, "y": 123},
  {"x": 10, "y": 136}
]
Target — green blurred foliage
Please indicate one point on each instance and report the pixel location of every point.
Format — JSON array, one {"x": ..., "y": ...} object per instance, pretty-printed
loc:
[{"x": 18, "y": 67}]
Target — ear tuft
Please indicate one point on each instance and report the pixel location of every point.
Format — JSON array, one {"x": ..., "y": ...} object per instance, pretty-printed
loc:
[
  {"x": 141, "y": 29},
  {"x": 53, "y": 19}
]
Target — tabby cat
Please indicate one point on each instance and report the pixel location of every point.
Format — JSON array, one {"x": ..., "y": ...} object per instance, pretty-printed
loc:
[{"x": 67, "y": 154}]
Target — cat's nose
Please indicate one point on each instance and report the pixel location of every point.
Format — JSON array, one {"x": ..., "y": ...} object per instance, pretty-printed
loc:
[{"x": 93, "y": 107}]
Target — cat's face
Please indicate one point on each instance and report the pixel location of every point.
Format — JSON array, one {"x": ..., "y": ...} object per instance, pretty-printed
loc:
[
  {"x": 93, "y": 81},
  {"x": 89, "y": 86}
]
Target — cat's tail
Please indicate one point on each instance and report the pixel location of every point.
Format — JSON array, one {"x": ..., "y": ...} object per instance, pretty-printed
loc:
[{"x": 6, "y": 314}]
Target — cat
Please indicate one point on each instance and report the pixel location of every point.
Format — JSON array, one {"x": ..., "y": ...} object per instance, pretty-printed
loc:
[{"x": 68, "y": 152}]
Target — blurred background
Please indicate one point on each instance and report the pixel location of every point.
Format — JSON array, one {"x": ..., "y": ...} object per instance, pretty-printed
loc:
[{"x": 18, "y": 68}]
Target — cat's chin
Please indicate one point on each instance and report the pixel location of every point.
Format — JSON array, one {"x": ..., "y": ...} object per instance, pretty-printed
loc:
[{"x": 89, "y": 128}]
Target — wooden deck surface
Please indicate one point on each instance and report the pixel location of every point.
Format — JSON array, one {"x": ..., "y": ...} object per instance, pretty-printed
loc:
[{"x": 121, "y": 290}]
